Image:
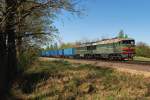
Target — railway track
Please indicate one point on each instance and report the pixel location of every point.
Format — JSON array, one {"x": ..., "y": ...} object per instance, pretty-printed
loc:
[
  {"x": 139, "y": 62},
  {"x": 111, "y": 61},
  {"x": 130, "y": 62},
  {"x": 114, "y": 61}
]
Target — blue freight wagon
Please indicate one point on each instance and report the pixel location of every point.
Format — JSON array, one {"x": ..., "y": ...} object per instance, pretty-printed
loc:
[
  {"x": 43, "y": 53},
  {"x": 69, "y": 52},
  {"x": 60, "y": 52},
  {"x": 54, "y": 53},
  {"x": 49, "y": 53},
  {"x": 46, "y": 53}
]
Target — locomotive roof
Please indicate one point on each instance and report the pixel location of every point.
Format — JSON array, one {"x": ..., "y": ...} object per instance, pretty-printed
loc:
[
  {"x": 105, "y": 41},
  {"x": 114, "y": 40}
]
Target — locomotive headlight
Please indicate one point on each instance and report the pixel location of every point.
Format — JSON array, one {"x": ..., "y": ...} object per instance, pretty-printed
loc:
[{"x": 132, "y": 43}]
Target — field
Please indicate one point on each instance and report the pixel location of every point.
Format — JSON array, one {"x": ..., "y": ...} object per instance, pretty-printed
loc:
[
  {"x": 141, "y": 59},
  {"x": 61, "y": 80}
]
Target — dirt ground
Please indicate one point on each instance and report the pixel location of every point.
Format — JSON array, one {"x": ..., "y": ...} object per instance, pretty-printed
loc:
[{"x": 123, "y": 67}]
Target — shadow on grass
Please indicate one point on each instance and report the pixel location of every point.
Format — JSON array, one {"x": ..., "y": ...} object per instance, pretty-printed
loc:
[
  {"x": 76, "y": 79},
  {"x": 41, "y": 72},
  {"x": 31, "y": 80},
  {"x": 68, "y": 81}
]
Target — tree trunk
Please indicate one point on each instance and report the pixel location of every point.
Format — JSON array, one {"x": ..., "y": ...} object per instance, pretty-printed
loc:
[
  {"x": 8, "y": 61},
  {"x": 3, "y": 67},
  {"x": 12, "y": 60},
  {"x": 11, "y": 44}
]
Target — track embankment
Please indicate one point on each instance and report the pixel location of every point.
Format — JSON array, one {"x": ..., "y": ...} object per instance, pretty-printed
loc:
[{"x": 133, "y": 68}]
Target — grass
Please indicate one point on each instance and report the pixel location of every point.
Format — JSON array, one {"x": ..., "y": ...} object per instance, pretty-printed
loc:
[
  {"x": 137, "y": 58},
  {"x": 61, "y": 80}
]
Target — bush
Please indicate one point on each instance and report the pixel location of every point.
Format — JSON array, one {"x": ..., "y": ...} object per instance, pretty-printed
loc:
[
  {"x": 142, "y": 49},
  {"x": 27, "y": 57}
]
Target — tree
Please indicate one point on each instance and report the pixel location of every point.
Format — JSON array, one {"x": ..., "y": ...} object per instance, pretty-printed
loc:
[
  {"x": 142, "y": 49},
  {"x": 121, "y": 34},
  {"x": 8, "y": 60},
  {"x": 126, "y": 36},
  {"x": 66, "y": 45},
  {"x": 14, "y": 15}
]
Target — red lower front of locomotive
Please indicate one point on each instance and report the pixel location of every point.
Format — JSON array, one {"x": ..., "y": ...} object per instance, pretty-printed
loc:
[{"x": 128, "y": 53}]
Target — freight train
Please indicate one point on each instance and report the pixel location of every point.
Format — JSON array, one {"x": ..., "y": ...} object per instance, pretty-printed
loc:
[{"x": 112, "y": 49}]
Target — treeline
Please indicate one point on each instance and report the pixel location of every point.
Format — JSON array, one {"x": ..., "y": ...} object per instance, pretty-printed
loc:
[
  {"x": 61, "y": 46},
  {"x": 142, "y": 49}
]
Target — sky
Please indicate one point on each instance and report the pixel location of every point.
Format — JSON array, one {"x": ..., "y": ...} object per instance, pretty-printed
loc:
[{"x": 105, "y": 18}]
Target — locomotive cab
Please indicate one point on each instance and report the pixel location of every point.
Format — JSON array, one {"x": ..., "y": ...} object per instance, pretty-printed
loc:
[
  {"x": 128, "y": 49},
  {"x": 128, "y": 42}
]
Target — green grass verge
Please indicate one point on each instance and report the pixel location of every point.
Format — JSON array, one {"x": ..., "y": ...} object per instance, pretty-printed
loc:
[
  {"x": 61, "y": 80},
  {"x": 137, "y": 58}
]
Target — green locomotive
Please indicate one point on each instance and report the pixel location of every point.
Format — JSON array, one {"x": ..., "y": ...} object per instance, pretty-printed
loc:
[{"x": 116, "y": 48}]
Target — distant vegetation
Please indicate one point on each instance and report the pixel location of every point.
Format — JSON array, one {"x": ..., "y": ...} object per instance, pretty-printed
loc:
[
  {"x": 142, "y": 49},
  {"x": 55, "y": 46},
  {"x": 140, "y": 58},
  {"x": 61, "y": 80},
  {"x": 121, "y": 34}
]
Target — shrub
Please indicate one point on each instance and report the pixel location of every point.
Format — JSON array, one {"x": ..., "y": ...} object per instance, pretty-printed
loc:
[
  {"x": 27, "y": 57},
  {"x": 142, "y": 49}
]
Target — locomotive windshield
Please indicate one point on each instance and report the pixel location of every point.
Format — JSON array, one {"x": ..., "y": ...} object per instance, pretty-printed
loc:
[{"x": 128, "y": 42}]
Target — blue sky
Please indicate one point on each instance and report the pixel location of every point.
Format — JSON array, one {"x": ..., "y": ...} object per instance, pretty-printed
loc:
[{"x": 105, "y": 18}]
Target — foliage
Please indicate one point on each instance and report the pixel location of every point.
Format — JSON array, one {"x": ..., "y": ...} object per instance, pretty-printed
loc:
[
  {"x": 34, "y": 19},
  {"x": 27, "y": 57},
  {"x": 139, "y": 58},
  {"x": 53, "y": 46},
  {"x": 126, "y": 36},
  {"x": 66, "y": 45},
  {"x": 32, "y": 22},
  {"x": 121, "y": 34},
  {"x": 61, "y": 80},
  {"x": 61, "y": 46},
  {"x": 28, "y": 22},
  {"x": 142, "y": 49}
]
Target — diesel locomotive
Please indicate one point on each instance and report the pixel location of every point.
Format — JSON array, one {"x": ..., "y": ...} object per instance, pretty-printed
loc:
[{"x": 112, "y": 49}]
